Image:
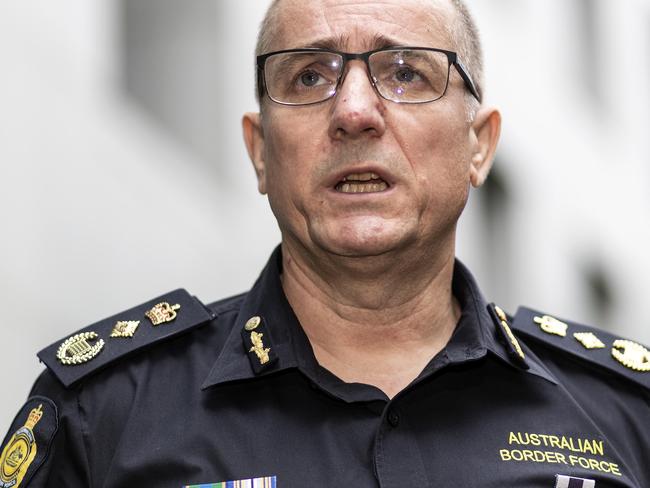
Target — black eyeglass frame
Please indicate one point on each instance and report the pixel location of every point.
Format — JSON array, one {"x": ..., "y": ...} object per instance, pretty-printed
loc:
[{"x": 452, "y": 58}]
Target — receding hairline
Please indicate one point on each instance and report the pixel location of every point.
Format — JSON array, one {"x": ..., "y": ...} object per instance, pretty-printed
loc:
[
  {"x": 272, "y": 25},
  {"x": 463, "y": 33}
]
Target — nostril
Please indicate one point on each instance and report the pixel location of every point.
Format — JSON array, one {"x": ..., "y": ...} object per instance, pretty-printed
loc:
[{"x": 357, "y": 114}]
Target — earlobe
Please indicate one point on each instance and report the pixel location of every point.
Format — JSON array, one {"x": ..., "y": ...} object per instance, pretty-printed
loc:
[
  {"x": 254, "y": 139},
  {"x": 486, "y": 130},
  {"x": 478, "y": 171}
]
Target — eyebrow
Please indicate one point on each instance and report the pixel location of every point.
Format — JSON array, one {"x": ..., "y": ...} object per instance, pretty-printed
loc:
[{"x": 378, "y": 41}]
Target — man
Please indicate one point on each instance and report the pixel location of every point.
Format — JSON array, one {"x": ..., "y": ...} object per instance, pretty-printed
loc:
[{"x": 364, "y": 355}]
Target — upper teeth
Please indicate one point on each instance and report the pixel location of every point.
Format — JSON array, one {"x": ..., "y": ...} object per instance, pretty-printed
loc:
[{"x": 361, "y": 177}]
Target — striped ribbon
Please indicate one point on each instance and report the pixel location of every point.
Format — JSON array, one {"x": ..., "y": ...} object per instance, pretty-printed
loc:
[
  {"x": 571, "y": 482},
  {"x": 268, "y": 482}
]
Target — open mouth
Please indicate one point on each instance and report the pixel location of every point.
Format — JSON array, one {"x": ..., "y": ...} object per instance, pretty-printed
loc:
[{"x": 361, "y": 183}]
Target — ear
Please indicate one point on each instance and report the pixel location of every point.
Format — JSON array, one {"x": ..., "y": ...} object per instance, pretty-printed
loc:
[
  {"x": 486, "y": 129},
  {"x": 254, "y": 139}
]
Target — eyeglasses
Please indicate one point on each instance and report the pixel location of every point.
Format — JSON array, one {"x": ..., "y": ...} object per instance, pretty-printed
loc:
[{"x": 399, "y": 74}]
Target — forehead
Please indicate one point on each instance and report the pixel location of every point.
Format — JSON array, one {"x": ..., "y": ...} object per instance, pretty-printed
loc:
[{"x": 361, "y": 25}]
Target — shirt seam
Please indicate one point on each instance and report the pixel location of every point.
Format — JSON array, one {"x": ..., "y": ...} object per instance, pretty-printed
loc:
[
  {"x": 231, "y": 305},
  {"x": 85, "y": 435}
]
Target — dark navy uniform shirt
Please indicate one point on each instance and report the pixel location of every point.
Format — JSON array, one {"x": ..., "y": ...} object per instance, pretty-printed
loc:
[{"x": 189, "y": 402}]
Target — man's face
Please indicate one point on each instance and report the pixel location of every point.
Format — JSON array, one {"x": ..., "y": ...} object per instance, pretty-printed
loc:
[{"x": 312, "y": 160}]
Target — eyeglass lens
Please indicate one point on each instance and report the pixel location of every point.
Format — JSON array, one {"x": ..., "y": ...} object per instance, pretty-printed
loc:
[{"x": 400, "y": 75}]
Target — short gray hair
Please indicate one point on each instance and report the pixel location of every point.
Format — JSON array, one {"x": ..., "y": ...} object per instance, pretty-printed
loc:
[{"x": 464, "y": 33}]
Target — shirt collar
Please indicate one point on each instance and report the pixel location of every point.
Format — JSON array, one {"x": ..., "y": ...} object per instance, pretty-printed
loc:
[
  {"x": 480, "y": 330},
  {"x": 265, "y": 300},
  {"x": 477, "y": 333}
]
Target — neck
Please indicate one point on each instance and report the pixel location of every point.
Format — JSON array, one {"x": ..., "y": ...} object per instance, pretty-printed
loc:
[{"x": 376, "y": 320}]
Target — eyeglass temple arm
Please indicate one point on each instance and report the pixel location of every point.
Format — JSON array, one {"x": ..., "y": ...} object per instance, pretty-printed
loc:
[{"x": 462, "y": 71}]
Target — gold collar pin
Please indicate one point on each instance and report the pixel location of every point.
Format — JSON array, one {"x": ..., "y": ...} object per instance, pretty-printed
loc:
[{"x": 258, "y": 348}]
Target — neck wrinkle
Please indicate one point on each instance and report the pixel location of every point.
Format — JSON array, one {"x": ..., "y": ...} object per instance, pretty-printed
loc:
[
  {"x": 372, "y": 283},
  {"x": 415, "y": 310}
]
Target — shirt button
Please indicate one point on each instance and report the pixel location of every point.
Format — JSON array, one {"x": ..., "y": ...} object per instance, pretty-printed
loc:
[{"x": 393, "y": 418}]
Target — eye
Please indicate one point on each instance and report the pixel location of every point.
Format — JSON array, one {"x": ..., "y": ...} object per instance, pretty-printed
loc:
[
  {"x": 405, "y": 74},
  {"x": 311, "y": 78}
]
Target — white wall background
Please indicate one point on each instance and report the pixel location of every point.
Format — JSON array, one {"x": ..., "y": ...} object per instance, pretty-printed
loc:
[{"x": 107, "y": 200}]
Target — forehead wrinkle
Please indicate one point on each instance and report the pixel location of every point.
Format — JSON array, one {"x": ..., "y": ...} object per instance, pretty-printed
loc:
[
  {"x": 432, "y": 17},
  {"x": 341, "y": 43},
  {"x": 333, "y": 43},
  {"x": 327, "y": 15}
]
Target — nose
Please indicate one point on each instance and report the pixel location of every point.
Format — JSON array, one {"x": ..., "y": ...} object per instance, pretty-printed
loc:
[{"x": 357, "y": 109}]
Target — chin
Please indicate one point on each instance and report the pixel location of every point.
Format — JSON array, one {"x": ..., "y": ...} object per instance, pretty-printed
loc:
[{"x": 361, "y": 240}]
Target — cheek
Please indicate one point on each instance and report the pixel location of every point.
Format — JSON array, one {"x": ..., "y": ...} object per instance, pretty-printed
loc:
[
  {"x": 438, "y": 153},
  {"x": 295, "y": 151},
  {"x": 289, "y": 158},
  {"x": 440, "y": 158},
  {"x": 287, "y": 137}
]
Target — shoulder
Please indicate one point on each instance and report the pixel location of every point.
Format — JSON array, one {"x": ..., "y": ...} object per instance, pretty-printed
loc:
[
  {"x": 562, "y": 340},
  {"x": 95, "y": 374},
  {"x": 115, "y": 340}
]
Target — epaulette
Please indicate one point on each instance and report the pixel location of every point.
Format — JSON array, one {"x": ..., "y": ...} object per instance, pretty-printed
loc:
[
  {"x": 620, "y": 356},
  {"x": 105, "y": 342}
]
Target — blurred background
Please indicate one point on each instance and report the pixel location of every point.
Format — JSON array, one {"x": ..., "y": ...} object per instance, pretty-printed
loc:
[{"x": 123, "y": 174}]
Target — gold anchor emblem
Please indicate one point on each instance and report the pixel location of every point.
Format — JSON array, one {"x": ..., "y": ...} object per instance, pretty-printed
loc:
[
  {"x": 125, "y": 328},
  {"x": 551, "y": 325},
  {"x": 77, "y": 349},
  {"x": 631, "y": 355},
  {"x": 258, "y": 348},
  {"x": 20, "y": 451},
  {"x": 589, "y": 340},
  {"x": 162, "y": 312}
]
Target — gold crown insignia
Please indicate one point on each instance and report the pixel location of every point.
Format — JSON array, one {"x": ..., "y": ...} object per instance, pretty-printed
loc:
[
  {"x": 551, "y": 325},
  {"x": 34, "y": 417},
  {"x": 162, "y": 312}
]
